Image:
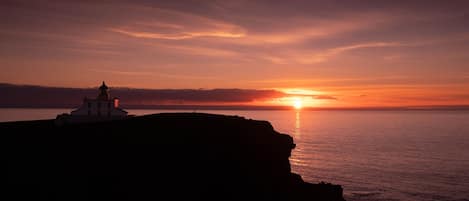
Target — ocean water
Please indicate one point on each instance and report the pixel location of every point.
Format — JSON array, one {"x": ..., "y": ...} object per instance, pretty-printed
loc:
[{"x": 374, "y": 155}]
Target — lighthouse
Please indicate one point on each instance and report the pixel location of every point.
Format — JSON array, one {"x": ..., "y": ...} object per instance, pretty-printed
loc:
[{"x": 101, "y": 106}]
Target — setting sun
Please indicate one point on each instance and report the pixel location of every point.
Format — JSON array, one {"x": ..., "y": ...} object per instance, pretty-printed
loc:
[{"x": 297, "y": 104}]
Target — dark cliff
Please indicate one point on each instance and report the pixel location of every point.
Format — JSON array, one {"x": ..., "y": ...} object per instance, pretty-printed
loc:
[{"x": 180, "y": 156}]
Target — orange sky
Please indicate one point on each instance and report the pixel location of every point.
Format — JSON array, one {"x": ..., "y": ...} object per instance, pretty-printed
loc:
[{"x": 353, "y": 54}]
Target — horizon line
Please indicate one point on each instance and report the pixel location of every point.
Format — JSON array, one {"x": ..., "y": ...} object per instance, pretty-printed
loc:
[{"x": 272, "y": 108}]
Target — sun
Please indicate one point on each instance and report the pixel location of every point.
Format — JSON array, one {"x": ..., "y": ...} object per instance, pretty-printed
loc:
[{"x": 297, "y": 104}]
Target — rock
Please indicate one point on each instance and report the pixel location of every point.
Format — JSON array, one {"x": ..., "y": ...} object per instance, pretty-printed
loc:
[{"x": 172, "y": 156}]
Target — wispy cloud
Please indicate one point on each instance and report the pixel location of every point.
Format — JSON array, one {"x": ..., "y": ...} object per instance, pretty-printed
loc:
[
  {"x": 179, "y": 36},
  {"x": 324, "y": 97},
  {"x": 155, "y": 74},
  {"x": 177, "y": 25},
  {"x": 320, "y": 57},
  {"x": 304, "y": 56},
  {"x": 196, "y": 50}
]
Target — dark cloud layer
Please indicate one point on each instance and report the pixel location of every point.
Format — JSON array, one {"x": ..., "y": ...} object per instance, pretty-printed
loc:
[{"x": 36, "y": 96}]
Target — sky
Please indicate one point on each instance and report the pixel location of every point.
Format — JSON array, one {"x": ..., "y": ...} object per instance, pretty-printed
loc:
[{"x": 321, "y": 53}]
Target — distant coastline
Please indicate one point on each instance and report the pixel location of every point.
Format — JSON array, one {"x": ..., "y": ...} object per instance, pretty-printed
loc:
[{"x": 30, "y": 96}]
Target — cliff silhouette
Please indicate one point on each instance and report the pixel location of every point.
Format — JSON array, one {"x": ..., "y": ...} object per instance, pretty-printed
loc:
[{"x": 170, "y": 156}]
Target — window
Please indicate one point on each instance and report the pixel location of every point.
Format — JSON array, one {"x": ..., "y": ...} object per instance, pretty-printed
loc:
[{"x": 116, "y": 103}]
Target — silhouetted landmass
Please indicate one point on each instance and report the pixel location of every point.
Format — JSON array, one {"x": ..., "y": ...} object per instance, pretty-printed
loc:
[{"x": 173, "y": 156}]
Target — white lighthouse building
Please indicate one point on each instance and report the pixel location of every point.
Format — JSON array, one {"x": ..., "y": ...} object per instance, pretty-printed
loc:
[{"x": 101, "y": 106}]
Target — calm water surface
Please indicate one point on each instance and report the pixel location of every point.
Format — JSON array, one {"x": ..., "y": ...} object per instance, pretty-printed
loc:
[{"x": 374, "y": 155}]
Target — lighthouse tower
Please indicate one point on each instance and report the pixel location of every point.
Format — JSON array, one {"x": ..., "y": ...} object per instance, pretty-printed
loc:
[{"x": 103, "y": 92}]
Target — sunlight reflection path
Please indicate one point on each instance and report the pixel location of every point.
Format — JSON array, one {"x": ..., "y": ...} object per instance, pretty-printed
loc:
[{"x": 297, "y": 132}]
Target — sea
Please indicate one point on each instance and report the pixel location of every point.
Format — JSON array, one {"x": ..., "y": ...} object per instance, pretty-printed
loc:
[{"x": 375, "y": 155}]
